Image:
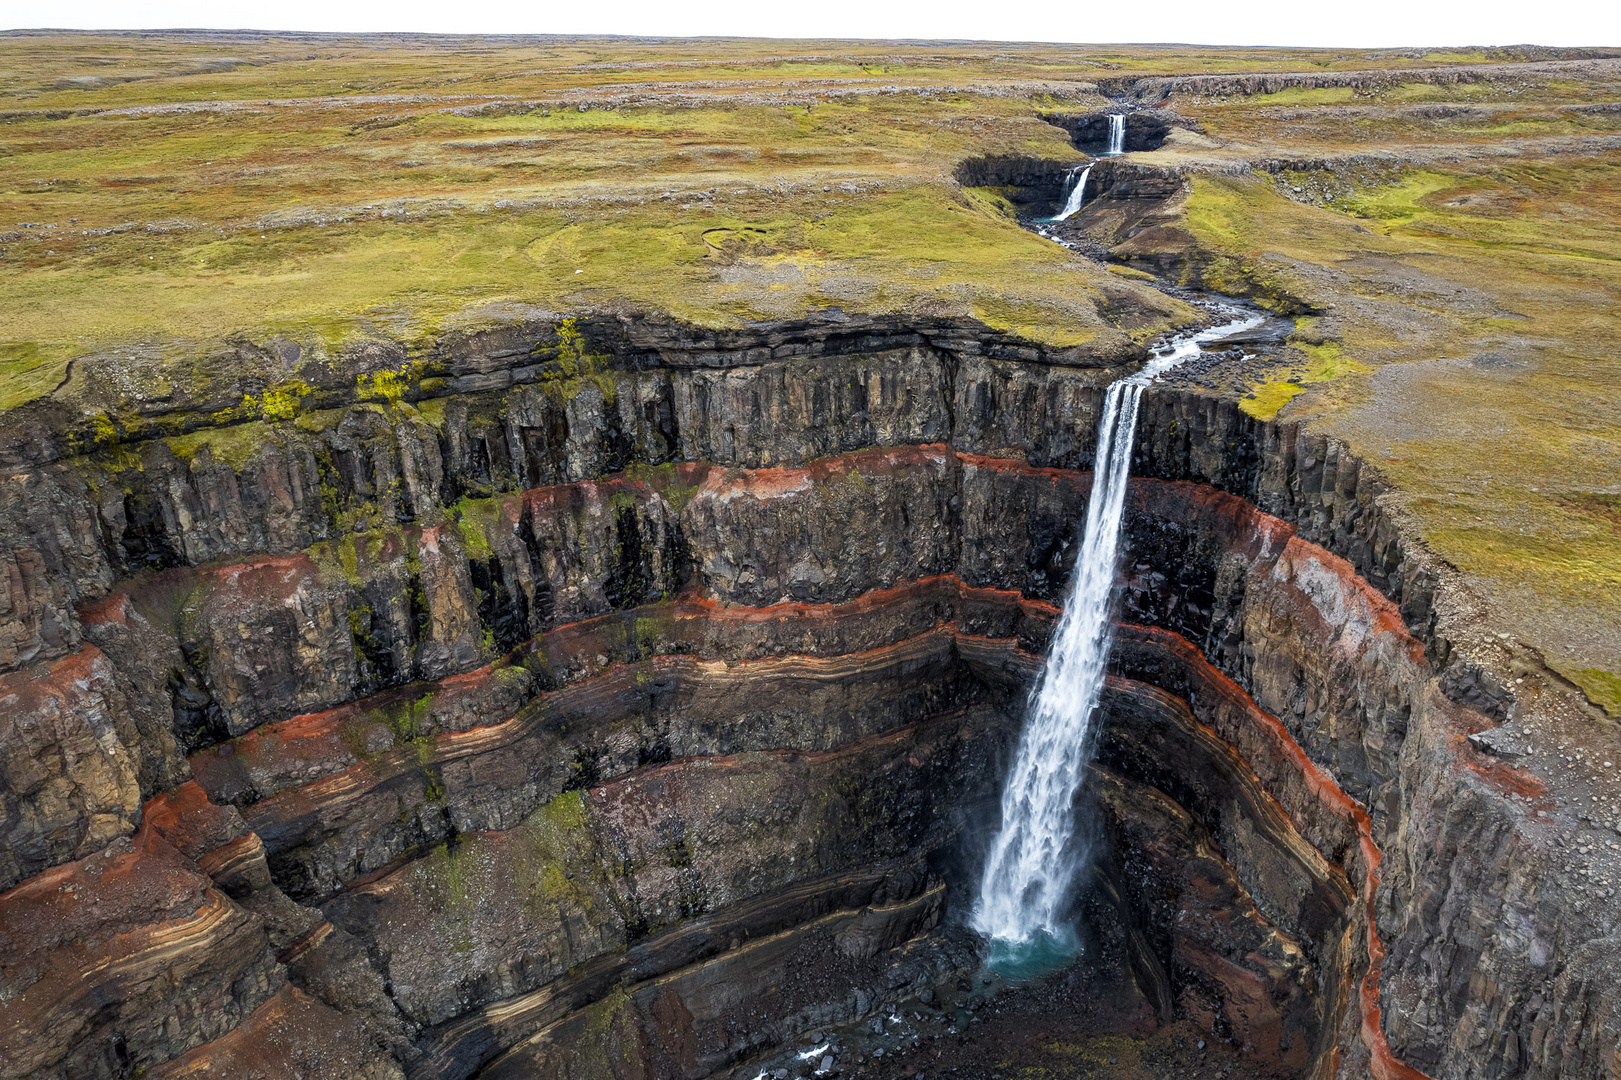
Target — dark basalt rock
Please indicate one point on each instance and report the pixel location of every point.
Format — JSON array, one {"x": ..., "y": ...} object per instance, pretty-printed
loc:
[
  {"x": 548, "y": 733},
  {"x": 1154, "y": 89},
  {"x": 1145, "y": 128},
  {"x": 1033, "y": 184}
]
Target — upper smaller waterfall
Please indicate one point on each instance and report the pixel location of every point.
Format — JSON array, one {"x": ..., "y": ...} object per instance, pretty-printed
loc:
[
  {"x": 1075, "y": 195},
  {"x": 1117, "y": 135}
]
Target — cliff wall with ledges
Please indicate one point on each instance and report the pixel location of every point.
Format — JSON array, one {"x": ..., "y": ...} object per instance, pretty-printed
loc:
[{"x": 446, "y": 657}]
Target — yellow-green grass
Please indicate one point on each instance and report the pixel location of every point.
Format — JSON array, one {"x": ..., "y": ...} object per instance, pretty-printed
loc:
[
  {"x": 321, "y": 261},
  {"x": 1504, "y": 441},
  {"x": 62, "y": 70},
  {"x": 1373, "y": 128},
  {"x": 1402, "y": 117},
  {"x": 244, "y": 185},
  {"x": 1303, "y": 95},
  {"x": 1325, "y": 363},
  {"x": 1602, "y": 688},
  {"x": 341, "y": 218},
  {"x": 918, "y": 247},
  {"x": 229, "y": 170}
]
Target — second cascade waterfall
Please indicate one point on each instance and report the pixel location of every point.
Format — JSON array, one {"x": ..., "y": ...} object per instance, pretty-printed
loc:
[
  {"x": 1075, "y": 197},
  {"x": 1026, "y": 887}
]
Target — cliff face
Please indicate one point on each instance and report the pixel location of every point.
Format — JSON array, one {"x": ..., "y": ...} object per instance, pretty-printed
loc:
[{"x": 632, "y": 707}]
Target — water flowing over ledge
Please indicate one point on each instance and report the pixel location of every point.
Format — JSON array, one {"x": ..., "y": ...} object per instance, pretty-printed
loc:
[
  {"x": 1027, "y": 884},
  {"x": 1075, "y": 197}
]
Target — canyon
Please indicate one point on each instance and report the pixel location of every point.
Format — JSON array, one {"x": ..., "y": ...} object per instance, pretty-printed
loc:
[
  {"x": 621, "y": 738},
  {"x": 624, "y": 694}
]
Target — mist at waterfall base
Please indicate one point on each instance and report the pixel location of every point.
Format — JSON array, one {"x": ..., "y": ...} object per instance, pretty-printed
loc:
[{"x": 1028, "y": 886}]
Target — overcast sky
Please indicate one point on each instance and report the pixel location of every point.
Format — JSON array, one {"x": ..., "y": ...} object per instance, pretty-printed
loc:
[{"x": 1232, "y": 22}]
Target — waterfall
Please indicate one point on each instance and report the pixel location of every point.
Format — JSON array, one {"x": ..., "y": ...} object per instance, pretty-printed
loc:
[
  {"x": 1076, "y": 195},
  {"x": 1117, "y": 135},
  {"x": 1036, "y": 855}
]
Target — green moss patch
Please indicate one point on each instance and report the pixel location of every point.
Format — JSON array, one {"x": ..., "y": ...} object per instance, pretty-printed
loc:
[
  {"x": 1603, "y": 688},
  {"x": 557, "y": 861},
  {"x": 1324, "y": 363}
]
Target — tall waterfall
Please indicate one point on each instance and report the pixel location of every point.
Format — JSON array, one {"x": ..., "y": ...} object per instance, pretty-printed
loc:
[
  {"x": 1117, "y": 135},
  {"x": 1036, "y": 855},
  {"x": 1077, "y": 194}
]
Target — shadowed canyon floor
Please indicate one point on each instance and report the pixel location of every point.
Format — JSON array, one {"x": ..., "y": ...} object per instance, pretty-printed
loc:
[{"x": 526, "y": 557}]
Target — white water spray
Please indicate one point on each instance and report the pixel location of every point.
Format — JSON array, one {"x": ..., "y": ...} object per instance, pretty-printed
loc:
[
  {"x": 1035, "y": 857},
  {"x": 1117, "y": 135},
  {"x": 1077, "y": 194}
]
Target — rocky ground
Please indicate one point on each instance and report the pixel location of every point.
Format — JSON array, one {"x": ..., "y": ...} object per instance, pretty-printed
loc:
[{"x": 1072, "y": 1023}]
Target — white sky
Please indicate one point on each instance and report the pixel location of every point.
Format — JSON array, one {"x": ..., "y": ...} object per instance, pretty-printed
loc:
[{"x": 1341, "y": 23}]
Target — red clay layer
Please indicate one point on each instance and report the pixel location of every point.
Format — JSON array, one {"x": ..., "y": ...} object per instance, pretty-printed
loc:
[{"x": 1384, "y": 1063}]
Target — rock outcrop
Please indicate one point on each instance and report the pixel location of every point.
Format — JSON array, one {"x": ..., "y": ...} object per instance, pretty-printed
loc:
[{"x": 1155, "y": 89}]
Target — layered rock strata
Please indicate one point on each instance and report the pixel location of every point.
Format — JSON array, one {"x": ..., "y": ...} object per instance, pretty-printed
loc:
[{"x": 514, "y": 730}]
